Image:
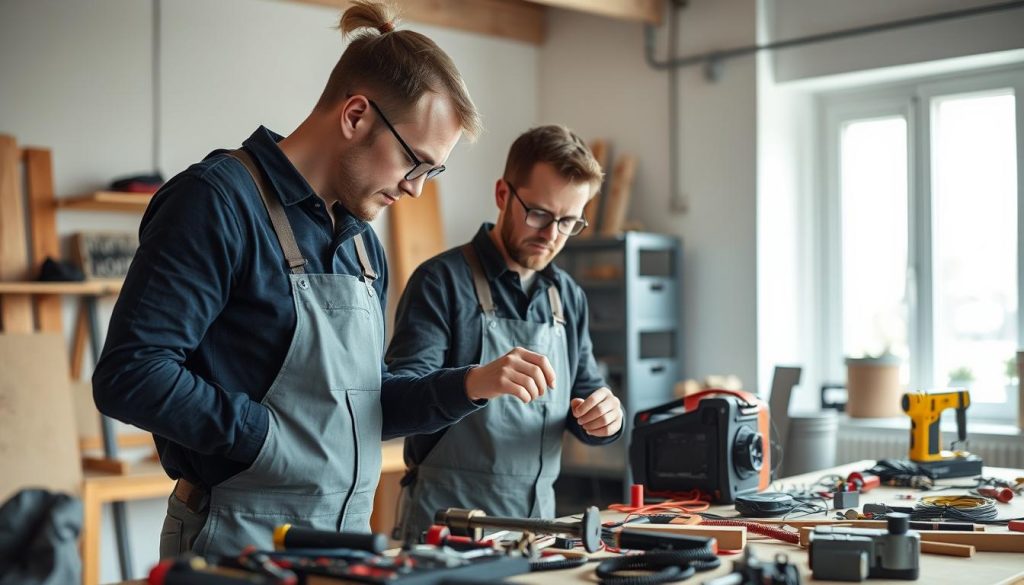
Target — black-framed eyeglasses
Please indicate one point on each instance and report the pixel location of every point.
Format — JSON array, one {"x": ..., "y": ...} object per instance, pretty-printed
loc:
[
  {"x": 419, "y": 167},
  {"x": 540, "y": 219}
]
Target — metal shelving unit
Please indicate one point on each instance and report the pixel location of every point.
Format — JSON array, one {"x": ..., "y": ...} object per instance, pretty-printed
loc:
[{"x": 633, "y": 284}]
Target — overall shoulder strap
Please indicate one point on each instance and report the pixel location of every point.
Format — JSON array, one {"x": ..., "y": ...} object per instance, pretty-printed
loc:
[
  {"x": 278, "y": 218},
  {"x": 555, "y": 300},
  {"x": 483, "y": 288},
  {"x": 369, "y": 274}
]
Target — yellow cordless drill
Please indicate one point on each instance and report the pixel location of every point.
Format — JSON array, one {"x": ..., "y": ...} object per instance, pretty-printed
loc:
[{"x": 925, "y": 412}]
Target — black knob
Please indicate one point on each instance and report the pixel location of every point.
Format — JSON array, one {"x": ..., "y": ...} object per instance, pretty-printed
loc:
[
  {"x": 748, "y": 452},
  {"x": 898, "y": 522}
]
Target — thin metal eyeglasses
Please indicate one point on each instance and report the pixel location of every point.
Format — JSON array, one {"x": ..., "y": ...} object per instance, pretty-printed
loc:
[
  {"x": 419, "y": 167},
  {"x": 540, "y": 219}
]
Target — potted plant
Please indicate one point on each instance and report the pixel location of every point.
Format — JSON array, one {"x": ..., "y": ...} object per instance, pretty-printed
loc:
[
  {"x": 961, "y": 377},
  {"x": 873, "y": 386}
]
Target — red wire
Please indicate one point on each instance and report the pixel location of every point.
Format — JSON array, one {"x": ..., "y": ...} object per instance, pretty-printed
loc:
[
  {"x": 678, "y": 502},
  {"x": 692, "y": 502}
]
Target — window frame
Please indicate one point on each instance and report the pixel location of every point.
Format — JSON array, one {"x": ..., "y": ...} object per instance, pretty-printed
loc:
[{"x": 913, "y": 101}]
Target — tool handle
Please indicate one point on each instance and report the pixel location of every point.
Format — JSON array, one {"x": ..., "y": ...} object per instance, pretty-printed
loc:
[
  {"x": 173, "y": 572},
  {"x": 1003, "y": 495},
  {"x": 954, "y": 526},
  {"x": 646, "y": 541},
  {"x": 287, "y": 536},
  {"x": 961, "y": 421}
]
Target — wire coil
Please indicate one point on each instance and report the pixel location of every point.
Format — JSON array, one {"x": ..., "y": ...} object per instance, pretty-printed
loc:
[{"x": 965, "y": 508}]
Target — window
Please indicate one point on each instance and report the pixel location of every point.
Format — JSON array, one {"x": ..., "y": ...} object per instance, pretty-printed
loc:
[
  {"x": 922, "y": 258},
  {"x": 873, "y": 204}
]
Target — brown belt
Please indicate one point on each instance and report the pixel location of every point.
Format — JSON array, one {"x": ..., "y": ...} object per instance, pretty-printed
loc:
[{"x": 193, "y": 496}]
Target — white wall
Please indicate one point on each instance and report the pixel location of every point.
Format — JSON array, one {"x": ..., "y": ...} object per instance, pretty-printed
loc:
[
  {"x": 594, "y": 79},
  {"x": 986, "y": 33},
  {"x": 77, "y": 77}
]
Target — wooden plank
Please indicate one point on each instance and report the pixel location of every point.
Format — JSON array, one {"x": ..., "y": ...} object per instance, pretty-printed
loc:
[
  {"x": 15, "y": 311},
  {"x": 92, "y": 526},
  {"x": 124, "y": 441},
  {"x": 389, "y": 490},
  {"x": 510, "y": 19},
  {"x": 729, "y": 537},
  {"x": 141, "y": 482},
  {"x": 599, "y": 148},
  {"x": 79, "y": 340},
  {"x": 982, "y": 541},
  {"x": 90, "y": 288},
  {"x": 416, "y": 234},
  {"x": 107, "y": 201},
  {"x": 646, "y": 11},
  {"x": 43, "y": 219},
  {"x": 838, "y": 523},
  {"x": 106, "y": 465},
  {"x": 945, "y": 548},
  {"x": 38, "y": 441},
  {"x": 617, "y": 203}
]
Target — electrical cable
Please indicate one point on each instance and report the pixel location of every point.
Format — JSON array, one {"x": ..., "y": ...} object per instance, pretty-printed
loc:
[
  {"x": 756, "y": 528},
  {"x": 964, "y": 508},
  {"x": 688, "y": 503},
  {"x": 662, "y": 570},
  {"x": 901, "y": 473},
  {"x": 807, "y": 505},
  {"x": 571, "y": 561},
  {"x": 664, "y": 566},
  {"x": 765, "y": 504}
]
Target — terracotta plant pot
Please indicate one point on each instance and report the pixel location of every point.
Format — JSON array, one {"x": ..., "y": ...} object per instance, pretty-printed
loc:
[{"x": 873, "y": 387}]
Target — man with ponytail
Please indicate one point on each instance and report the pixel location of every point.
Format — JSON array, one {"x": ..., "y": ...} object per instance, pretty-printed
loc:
[{"x": 248, "y": 336}]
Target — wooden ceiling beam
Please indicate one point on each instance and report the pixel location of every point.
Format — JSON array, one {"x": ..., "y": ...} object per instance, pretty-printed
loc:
[
  {"x": 510, "y": 19},
  {"x": 647, "y": 11}
]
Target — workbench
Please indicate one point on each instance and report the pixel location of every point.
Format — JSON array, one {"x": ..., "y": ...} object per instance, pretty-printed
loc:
[{"x": 982, "y": 569}]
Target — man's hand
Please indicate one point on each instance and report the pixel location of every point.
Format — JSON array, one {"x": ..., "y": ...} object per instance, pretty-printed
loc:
[
  {"x": 521, "y": 373},
  {"x": 600, "y": 414}
]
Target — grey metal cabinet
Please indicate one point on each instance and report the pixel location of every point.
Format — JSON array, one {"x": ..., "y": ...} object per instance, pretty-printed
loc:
[{"x": 633, "y": 285}]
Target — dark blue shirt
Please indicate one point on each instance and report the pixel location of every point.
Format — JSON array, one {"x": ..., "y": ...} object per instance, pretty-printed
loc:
[
  {"x": 438, "y": 324},
  {"x": 205, "y": 317}
]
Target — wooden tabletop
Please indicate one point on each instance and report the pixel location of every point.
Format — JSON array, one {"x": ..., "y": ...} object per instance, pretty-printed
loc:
[{"x": 982, "y": 568}]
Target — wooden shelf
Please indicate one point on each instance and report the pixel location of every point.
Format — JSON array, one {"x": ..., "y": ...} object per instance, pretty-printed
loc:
[
  {"x": 107, "y": 201},
  {"x": 94, "y": 288}
]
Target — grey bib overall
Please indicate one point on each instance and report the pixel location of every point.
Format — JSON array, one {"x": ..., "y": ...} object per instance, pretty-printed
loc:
[
  {"x": 320, "y": 462},
  {"x": 504, "y": 458}
]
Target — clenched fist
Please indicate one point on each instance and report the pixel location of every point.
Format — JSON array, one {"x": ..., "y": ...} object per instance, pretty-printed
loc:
[
  {"x": 521, "y": 373},
  {"x": 600, "y": 414}
]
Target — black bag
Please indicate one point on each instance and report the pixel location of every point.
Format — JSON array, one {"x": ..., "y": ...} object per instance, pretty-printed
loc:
[{"x": 39, "y": 539}]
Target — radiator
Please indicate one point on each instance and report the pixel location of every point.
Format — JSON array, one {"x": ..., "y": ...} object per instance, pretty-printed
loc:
[{"x": 857, "y": 442}]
